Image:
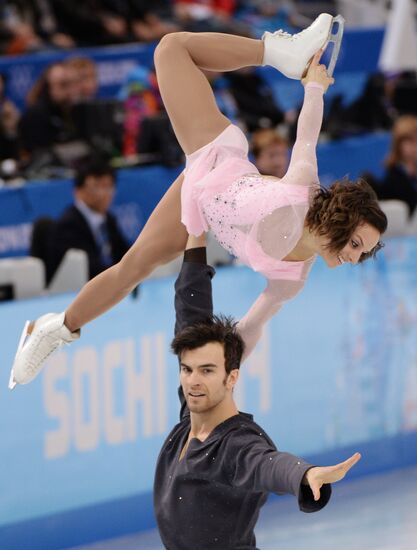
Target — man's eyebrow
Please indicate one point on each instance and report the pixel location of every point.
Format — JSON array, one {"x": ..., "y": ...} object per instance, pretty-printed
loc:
[{"x": 206, "y": 365}]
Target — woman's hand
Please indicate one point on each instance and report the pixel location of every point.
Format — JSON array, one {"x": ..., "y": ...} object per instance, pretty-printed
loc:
[{"x": 317, "y": 73}]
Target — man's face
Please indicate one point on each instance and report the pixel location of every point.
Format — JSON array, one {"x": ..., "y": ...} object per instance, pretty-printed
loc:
[
  {"x": 87, "y": 81},
  {"x": 408, "y": 150},
  {"x": 97, "y": 192},
  {"x": 61, "y": 84},
  {"x": 203, "y": 377}
]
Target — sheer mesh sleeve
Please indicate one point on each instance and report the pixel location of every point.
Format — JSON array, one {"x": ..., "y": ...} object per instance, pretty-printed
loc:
[
  {"x": 308, "y": 129},
  {"x": 267, "y": 304}
]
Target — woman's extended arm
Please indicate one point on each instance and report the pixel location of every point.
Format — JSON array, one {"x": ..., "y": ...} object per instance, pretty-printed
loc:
[
  {"x": 310, "y": 119},
  {"x": 270, "y": 301}
]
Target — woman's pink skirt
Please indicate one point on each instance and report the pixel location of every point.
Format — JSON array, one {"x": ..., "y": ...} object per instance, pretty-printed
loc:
[{"x": 210, "y": 170}]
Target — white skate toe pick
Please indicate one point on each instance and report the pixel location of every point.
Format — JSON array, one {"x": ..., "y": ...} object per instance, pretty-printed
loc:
[
  {"x": 290, "y": 53},
  {"x": 36, "y": 343}
]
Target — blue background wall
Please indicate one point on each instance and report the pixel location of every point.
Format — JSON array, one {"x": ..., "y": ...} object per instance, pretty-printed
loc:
[{"x": 335, "y": 372}]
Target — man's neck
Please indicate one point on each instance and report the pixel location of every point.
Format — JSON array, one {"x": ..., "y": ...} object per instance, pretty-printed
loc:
[
  {"x": 93, "y": 217},
  {"x": 202, "y": 424}
]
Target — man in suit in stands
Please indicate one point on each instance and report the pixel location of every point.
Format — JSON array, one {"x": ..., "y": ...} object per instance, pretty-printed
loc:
[{"x": 87, "y": 224}]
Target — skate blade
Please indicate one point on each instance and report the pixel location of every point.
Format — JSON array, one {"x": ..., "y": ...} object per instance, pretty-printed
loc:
[
  {"x": 336, "y": 39},
  {"x": 12, "y": 383},
  {"x": 330, "y": 38},
  {"x": 22, "y": 340}
]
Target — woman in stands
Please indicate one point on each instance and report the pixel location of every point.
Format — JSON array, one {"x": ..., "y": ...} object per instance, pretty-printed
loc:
[
  {"x": 400, "y": 178},
  {"x": 277, "y": 227}
]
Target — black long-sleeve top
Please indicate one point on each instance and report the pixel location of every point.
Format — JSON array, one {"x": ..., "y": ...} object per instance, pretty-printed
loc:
[
  {"x": 211, "y": 498},
  {"x": 399, "y": 185}
]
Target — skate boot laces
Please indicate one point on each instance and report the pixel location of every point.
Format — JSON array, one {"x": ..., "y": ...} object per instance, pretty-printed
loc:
[{"x": 43, "y": 346}]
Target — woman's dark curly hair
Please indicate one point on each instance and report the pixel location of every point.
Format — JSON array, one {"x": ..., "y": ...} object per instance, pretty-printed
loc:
[{"x": 336, "y": 213}]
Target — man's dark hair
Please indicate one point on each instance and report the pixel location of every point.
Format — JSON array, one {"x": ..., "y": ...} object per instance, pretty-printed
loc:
[
  {"x": 95, "y": 166},
  {"x": 218, "y": 328}
]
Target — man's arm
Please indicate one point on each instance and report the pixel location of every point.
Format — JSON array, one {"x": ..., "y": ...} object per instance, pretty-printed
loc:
[
  {"x": 193, "y": 292},
  {"x": 258, "y": 466}
]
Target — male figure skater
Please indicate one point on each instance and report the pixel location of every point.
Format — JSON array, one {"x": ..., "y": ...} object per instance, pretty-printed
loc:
[{"x": 217, "y": 465}]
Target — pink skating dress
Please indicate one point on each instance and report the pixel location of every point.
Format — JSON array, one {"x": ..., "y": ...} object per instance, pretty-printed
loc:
[{"x": 258, "y": 219}]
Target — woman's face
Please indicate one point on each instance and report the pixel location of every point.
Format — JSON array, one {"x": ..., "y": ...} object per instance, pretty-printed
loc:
[
  {"x": 364, "y": 239},
  {"x": 408, "y": 150}
]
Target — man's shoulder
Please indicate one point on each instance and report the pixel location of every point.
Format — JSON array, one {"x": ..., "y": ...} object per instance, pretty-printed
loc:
[
  {"x": 70, "y": 215},
  {"x": 39, "y": 110},
  {"x": 395, "y": 174},
  {"x": 70, "y": 211},
  {"x": 182, "y": 427},
  {"x": 242, "y": 430},
  {"x": 73, "y": 224}
]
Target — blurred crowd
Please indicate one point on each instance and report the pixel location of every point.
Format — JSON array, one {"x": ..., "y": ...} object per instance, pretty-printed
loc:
[
  {"x": 28, "y": 25},
  {"x": 64, "y": 118}
]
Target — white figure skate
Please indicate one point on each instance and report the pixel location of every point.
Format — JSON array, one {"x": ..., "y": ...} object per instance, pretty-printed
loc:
[
  {"x": 291, "y": 53},
  {"x": 36, "y": 343}
]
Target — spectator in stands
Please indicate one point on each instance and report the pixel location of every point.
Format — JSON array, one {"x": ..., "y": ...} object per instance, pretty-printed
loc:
[
  {"x": 47, "y": 130},
  {"x": 98, "y": 120},
  {"x": 17, "y": 35},
  {"x": 87, "y": 224},
  {"x": 9, "y": 121},
  {"x": 256, "y": 103},
  {"x": 404, "y": 92},
  {"x": 151, "y": 20},
  {"x": 270, "y": 151},
  {"x": 194, "y": 10},
  {"x": 92, "y": 22},
  {"x": 140, "y": 98},
  {"x": 223, "y": 95},
  {"x": 400, "y": 179},
  {"x": 209, "y": 15},
  {"x": 269, "y": 15},
  {"x": 373, "y": 110},
  {"x": 147, "y": 133},
  {"x": 86, "y": 77},
  {"x": 39, "y": 17}
]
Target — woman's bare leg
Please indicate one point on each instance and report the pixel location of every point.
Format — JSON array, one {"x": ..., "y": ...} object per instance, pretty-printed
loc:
[
  {"x": 187, "y": 95},
  {"x": 160, "y": 241},
  {"x": 196, "y": 120}
]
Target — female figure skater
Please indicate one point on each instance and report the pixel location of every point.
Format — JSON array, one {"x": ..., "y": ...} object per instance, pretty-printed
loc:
[{"x": 275, "y": 226}]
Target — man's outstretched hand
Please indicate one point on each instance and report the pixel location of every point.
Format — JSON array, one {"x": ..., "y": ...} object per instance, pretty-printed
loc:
[{"x": 319, "y": 475}]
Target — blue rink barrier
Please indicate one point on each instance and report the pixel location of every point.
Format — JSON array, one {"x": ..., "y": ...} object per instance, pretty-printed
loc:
[
  {"x": 335, "y": 372},
  {"x": 139, "y": 190}
]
